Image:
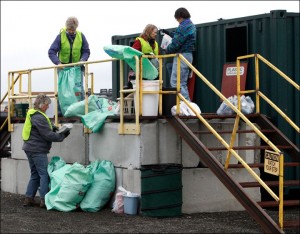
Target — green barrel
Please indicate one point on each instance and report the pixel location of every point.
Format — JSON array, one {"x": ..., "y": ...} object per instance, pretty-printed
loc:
[{"x": 161, "y": 190}]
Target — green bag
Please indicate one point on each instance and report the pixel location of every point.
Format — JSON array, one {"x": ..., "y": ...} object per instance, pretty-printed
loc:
[
  {"x": 69, "y": 87},
  {"x": 127, "y": 54},
  {"x": 95, "y": 119},
  {"x": 78, "y": 108},
  {"x": 67, "y": 196},
  {"x": 56, "y": 163},
  {"x": 102, "y": 188}
]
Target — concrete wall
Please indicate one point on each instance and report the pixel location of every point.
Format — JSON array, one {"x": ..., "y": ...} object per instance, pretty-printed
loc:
[{"x": 158, "y": 143}]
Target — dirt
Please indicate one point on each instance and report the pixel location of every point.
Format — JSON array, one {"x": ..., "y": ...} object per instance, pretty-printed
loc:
[{"x": 18, "y": 219}]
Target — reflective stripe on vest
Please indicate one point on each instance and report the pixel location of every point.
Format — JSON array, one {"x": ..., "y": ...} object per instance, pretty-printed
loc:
[
  {"x": 65, "y": 47},
  {"x": 146, "y": 47},
  {"x": 27, "y": 125}
]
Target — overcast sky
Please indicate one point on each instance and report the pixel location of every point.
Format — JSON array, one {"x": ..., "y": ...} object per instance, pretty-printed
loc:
[{"x": 28, "y": 28}]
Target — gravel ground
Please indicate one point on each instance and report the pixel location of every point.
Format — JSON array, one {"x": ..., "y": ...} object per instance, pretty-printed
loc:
[{"x": 18, "y": 219}]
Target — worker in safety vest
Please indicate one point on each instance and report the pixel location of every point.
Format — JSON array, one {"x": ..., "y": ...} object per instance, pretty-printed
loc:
[
  {"x": 70, "y": 46},
  {"x": 147, "y": 44},
  {"x": 38, "y": 134}
]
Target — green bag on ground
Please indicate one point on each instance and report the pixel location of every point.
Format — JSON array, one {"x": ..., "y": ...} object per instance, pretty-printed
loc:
[
  {"x": 69, "y": 87},
  {"x": 102, "y": 188},
  {"x": 67, "y": 196},
  {"x": 56, "y": 162},
  {"x": 127, "y": 54}
]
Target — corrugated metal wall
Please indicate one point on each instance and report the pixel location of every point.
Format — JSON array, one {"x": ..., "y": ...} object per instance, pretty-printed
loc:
[{"x": 275, "y": 36}]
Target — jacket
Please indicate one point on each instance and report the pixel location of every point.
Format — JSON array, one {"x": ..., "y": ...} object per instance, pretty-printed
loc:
[
  {"x": 56, "y": 47},
  {"x": 41, "y": 134},
  {"x": 184, "y": 38}
]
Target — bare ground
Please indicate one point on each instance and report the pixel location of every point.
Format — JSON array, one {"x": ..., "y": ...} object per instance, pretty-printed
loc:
[{"x": 18, "y": 219}]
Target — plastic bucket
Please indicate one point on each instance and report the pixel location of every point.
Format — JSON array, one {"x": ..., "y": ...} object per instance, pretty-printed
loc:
[
  {"x": 150, "y": 101},
  {"x": 131, "y": 203},
  {"x": 161, "y": 190}
]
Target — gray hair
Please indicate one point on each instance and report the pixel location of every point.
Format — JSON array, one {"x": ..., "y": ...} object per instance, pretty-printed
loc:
[
  {"x": 72, "y": 23},
  {"x": 41, "y": 100}
]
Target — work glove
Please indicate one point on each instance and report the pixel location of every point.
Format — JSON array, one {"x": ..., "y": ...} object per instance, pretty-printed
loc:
[
  {"x": 66, "y": 134},
  {"x": 165, "y": 32},
  {"x": 54, "y": 128}
]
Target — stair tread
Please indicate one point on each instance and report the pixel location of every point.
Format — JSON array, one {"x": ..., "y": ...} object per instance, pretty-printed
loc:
[{"x": 270, "y": 183}]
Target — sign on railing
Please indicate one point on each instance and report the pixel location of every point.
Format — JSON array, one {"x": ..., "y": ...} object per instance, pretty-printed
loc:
[{"x": 271, "y": 163}]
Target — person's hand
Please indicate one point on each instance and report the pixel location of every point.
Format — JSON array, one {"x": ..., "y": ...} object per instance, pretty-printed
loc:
[
  {"x": 54, "y": 128},
  {"x": 165, "y": 32},
  {"x": 66, "y": 134}
]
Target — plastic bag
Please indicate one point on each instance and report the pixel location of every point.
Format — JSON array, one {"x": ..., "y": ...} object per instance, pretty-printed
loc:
[
  {"x": 127, "y": 54},
  {"x": 247, "y": 105},
  {"x": 185, "y": 110},
  {"x": 118, "y": 205},
  {"x": 166, "y": 40},
  {"x": 78, "y": 108},
  {"x": 69, "y": 87},
  {"x": 102, "y": 187},
  {"x": 69, "y": 192},
  {"x": 95, "y": 119}
]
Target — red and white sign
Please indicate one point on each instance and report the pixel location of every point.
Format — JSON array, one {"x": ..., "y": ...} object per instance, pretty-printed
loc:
[{"x": 229, "y": 79}]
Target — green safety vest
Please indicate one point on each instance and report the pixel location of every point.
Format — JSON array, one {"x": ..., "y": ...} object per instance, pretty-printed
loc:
[
  {"x": 65, "y": 48},
  {"x": 27, "y": 125},
  {"x": 146, "y": 47}
]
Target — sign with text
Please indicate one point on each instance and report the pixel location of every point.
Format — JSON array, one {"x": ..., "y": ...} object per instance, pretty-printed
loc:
[
  {"x": 271, "y": 164},
  {"x": 229, "y": 79}
]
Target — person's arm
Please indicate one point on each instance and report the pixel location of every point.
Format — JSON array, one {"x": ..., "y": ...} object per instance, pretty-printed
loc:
[
  {"x": 40, "y": 122},
  {"x": 53, "y": 51},
  {"x": 177, "y": 41},
  {"x": 85, "y": 49},
  {"x": 137, "y": 45}
]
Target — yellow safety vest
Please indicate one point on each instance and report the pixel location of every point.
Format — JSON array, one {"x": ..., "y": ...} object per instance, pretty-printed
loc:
[
  {"x": 146, "y": 47},
  {"x": 65, "y": 48},
  {"x": 27, "y": 125}
]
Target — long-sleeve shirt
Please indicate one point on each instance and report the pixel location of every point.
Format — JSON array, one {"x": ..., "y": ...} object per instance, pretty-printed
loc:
[
  {"x": 55, "y": 48},
  {"x": 184, "y": 38}
]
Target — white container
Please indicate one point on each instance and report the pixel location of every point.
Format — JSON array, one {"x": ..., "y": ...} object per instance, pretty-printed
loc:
[{"x": 150, "y": 101}]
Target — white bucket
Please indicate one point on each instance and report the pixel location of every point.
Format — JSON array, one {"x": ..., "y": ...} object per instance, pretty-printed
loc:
[{"x": 150, "y": 101}]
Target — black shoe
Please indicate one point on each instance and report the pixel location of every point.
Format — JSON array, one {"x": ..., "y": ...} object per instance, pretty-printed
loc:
[
  {"x": 29, "y": 201},
  {"x": 42, "y": 203}
]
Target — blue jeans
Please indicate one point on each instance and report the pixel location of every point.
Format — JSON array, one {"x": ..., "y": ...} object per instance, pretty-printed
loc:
[
  {"x": 184, "y": 75},
  {"x": 39, "y": 178}
]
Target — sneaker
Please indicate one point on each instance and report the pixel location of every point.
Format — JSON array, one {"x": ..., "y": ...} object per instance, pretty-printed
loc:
[
  {"x": 42, "y": 203},
  {"x": 29, "y": 201}
]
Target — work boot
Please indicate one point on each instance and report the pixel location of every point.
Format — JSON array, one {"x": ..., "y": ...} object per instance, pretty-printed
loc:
[
  {"x": 42, "y": 203},
  {"x": 29, "y": 201}
]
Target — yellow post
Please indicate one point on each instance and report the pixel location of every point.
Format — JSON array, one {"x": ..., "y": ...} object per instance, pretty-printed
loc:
[
  {"x": 257, "y": 84},
  {"x": 178, "y": 85},
  {"x": 281, "y": 174}
]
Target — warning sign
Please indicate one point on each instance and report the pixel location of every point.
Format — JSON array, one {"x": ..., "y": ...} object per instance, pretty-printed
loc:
[
  {"x": 271, "y": 164},
  {"x": 229, "y": 78}
]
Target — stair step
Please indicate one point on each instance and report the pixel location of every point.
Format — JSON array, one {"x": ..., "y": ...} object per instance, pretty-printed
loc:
[
  {"x": 249, "y": 147},
  {"x": 238, "y": 131},
  {"x": 270, "y": 183},
  {"x": 275, "y": 203},
  {"x": 291, "y": 223},
  {"x": 261, "y": 165}
]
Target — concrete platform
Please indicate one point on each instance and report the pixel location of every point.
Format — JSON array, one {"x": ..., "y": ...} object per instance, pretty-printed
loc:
[{"x": 158, "y": 143}]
